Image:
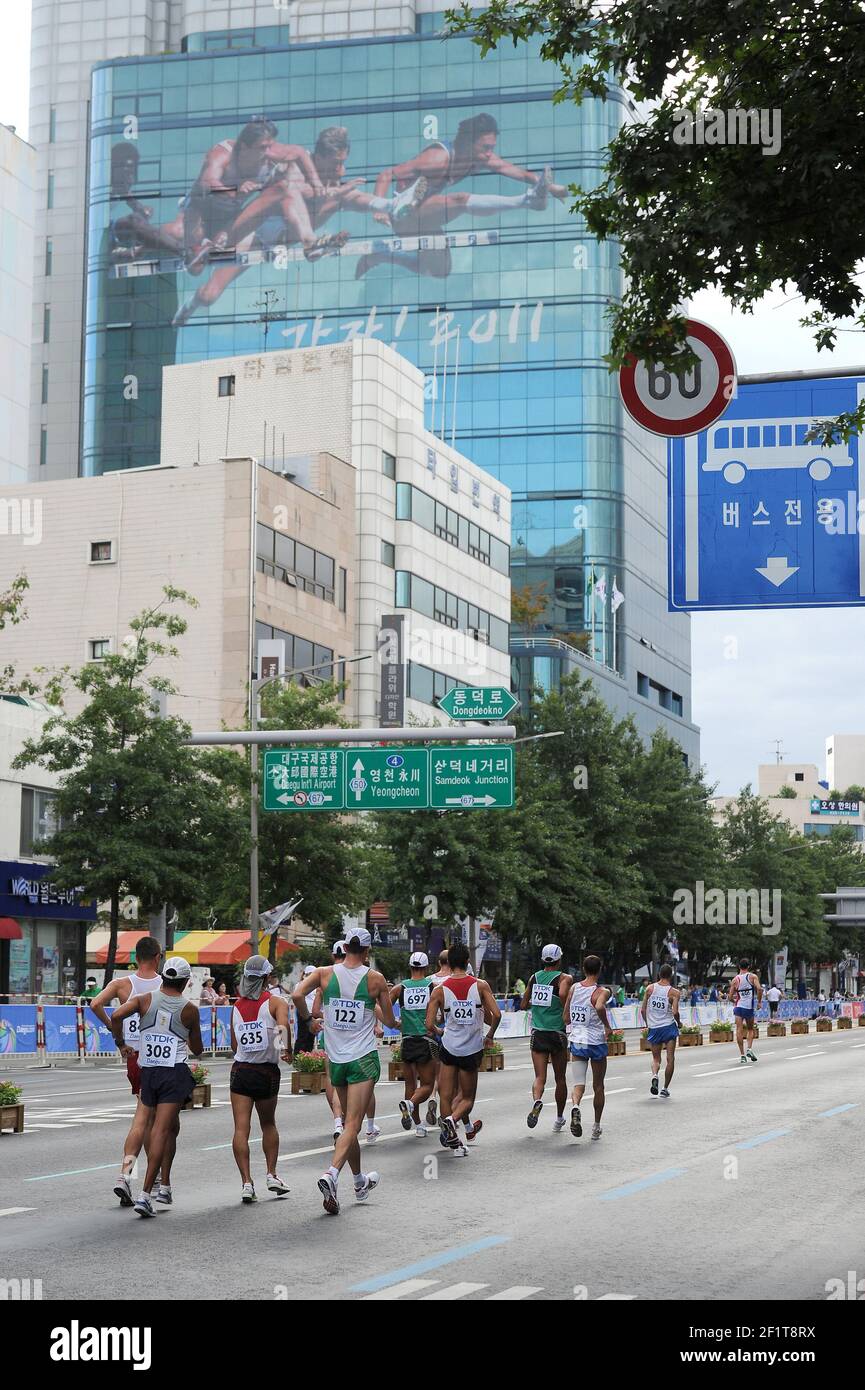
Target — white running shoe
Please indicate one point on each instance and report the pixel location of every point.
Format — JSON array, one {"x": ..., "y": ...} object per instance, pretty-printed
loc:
[
  {"x": 372, "y": 1134},
  {"x": 123, "y": 1190},
  {"x": 421, "y": 1131},
  {"x": 371, "y": 1181},
  {"x": 164, "y": 1195},
  {"x": 275, "y": 1184},
  {"x": 405, "y": 203},
  {"x": 327, "y": 1188},
  {"x": 248, "y": 1193},
  {"x": 144, "y": 1206},
  {"x": 460, "y": 1151},
  {"x": 596, "y": 1131},
  {"x": 337, "y": 1129},
  {"x": 558, "y": 1124}
]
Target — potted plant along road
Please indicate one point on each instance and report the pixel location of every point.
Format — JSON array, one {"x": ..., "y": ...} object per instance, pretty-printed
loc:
[
  {"x": 844, "y": 1022},
  {"x": 690, "y": 1035},
  {"x": 776, "y": 1029},
  {"x": 11, "y": 1108},
  {"x": 394, "y": 1066},
  {"x": 720, "y": 1032},
  {"x": 824, "y": 1025},
  {"x": 308, "y": 1074},
  {"x": 800, "y": 1025},
  {"x": 616, "y": 1045},
  {"x": 494, "y": 1057},
  {"x": 201, "y": 1092}
]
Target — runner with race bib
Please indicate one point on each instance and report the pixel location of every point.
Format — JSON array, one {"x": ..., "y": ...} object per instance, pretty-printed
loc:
[
  {"x": 745, "y": 995},
  {"x": 259, "y": 1037},
  {"x": 419, "y": 1050},
  {"x": 349, "y": 993},
  {"x": 170, "y": 1031},
  {"x": 143, "y": 980},
  {"x": 545, "y": 995},
  {"x": 588, "y": 1034},
  {"x": 467, "y": 1004},
  {"x": 660, "y": 1012}
]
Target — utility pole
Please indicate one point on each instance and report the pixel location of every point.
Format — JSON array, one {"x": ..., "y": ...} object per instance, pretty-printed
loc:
[{"x": 266, "y": 305}]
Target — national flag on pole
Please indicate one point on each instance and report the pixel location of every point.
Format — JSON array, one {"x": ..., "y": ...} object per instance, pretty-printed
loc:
[
  {"x": 618, "y": 597},
  {"x": 601, "y": 589},
  {"x": 273, "y": 919},
  {"x": 590, "y": 582}
]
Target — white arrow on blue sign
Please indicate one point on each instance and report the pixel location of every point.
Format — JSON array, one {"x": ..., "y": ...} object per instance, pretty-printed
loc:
[{"x": 758, "y": 516}]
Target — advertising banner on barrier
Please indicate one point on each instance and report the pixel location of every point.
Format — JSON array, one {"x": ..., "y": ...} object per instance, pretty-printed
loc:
[{"x": 17, "y": 1028}]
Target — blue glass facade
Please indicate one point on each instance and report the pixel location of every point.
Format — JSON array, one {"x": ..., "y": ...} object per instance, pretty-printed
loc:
[{"x": 488, "y": 283}]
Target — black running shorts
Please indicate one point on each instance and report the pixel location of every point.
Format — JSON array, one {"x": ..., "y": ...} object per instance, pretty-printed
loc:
[
  {"x": 418, "y": 1049},
  {"x": 544, "y": 1040},
  {"x": 166, "y": 1085},
  {"x": 257, "y": 1080},
  {"x": 471, "y": 1062}
]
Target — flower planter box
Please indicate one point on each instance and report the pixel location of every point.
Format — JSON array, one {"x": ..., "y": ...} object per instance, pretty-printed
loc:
[
  {"x": 616, "y": 1049},
  {"x": 776, "y": 1030},
  {"x": 12, "y": 1117},
  {"x": 862, "y": 1020},
  {"x": 824, "y": 1025},
  {"x": 200, "y": 1097},
  {"x": 845, "y": 1022},
  {"x": 644, "y": 1045},
  {"x": 690, "y": 1039},
  {"x": 799, "y": 1025},
  {"x": 720, "y": 1035},
  {"x": 395, "y": 1071},
  {"x": 493, "y": 1061},
  {"x": 307, "y": 1082}
]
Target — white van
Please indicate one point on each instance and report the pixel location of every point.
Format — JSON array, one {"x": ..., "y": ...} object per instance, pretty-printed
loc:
[{"x": 748, "y": 445}]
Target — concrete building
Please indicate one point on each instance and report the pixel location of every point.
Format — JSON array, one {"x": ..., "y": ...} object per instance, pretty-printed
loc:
[
  {"x": 42, "y": 927},
  {"x": 845, "y": 761},
  {"x": 501, "y": 308},
  {"x": 811, "y": 810},
  {"x": 360, "y": 514},
  {"x": 17, "y": 172}
]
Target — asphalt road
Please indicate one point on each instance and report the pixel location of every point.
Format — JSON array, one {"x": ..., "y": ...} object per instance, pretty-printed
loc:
[{"x": 745, "y": 1184}]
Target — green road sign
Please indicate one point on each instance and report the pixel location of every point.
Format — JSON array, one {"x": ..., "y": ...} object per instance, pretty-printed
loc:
[
  {"x": 304, "y": 779},
  {"x": 473, "y": 702},
  {"x": 380, "y": 779},
  {"x": 474, "y": 775}
]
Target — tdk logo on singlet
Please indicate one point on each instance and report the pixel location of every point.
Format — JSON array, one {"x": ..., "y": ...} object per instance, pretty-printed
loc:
[{"x": 77, "y": 1343}]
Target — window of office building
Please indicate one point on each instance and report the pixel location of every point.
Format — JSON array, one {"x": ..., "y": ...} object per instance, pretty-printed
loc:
[
  {"x": 388, "y": 465},
  {"x": 226, "y": 386},
  {"x": 49, "y": 255},
  {"x": 52, "y": 125},
  {"x": 101, "y": 552},
  {"x": 98, "y": 648},
  {"x": 43, "y": 446},
  {"x": 298, "y": 565},
  {"x": 44, "y": 385},
  {"x": 411, "y": 591},
  {"x": 388, "y": 554},
  {"x": 38, "y": 821},
  {"x": 49, "y": 197},
  {"x": 46, "y": 323},
  {"x": 413, "y": 504}
]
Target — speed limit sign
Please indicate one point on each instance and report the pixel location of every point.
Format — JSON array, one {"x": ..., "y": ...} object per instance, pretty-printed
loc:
[{"x": 683, "y": 402}]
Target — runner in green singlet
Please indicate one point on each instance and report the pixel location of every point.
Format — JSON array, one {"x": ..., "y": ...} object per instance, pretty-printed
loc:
[
  {"x": 419, "y": 1050},
  {"x": 350, "y": 992},
  {"x": 545, "y": 995}
]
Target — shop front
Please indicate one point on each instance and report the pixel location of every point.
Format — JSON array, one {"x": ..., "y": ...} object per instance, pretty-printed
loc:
[{"x": 43, "y": 932}]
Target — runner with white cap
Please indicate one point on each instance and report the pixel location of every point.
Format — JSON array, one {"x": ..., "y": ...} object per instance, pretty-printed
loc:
[
  {"x": 419, "y": 1050},
  {"x": 546, "y": 993},
  {"x": 259, "y": 1037},
  {"x": 143, "y": 980},
  {"x": 169, "y": 1032},
  {"x": 350, "y": 993},
  {"x": 467, "y": 1003}
]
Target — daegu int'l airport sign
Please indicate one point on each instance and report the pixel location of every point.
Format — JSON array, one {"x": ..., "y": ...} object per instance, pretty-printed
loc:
[{"x": 759, "y": 517}]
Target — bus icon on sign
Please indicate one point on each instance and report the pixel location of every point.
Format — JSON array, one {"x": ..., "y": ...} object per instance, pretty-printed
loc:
[
  {"x": 395, "y": 760},
  {"x": 736, "y": 450}
]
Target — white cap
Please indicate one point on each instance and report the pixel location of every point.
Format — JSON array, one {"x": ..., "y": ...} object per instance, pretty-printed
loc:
[
  {"x": 338, "y": 949},
  {"x": 551, "y": 952},
  {"x": 361, "y": 936},
  {"x": 308, "y": 969},
  {"x": 258, "y": 966},
  {"x": 419, "y": 958},
  {"x": 176, "y": 969}
]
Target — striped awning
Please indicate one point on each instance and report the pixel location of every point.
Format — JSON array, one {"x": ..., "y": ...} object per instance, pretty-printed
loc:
[
  {"x": 126, "y": 941},
  {"x": 198, "y": 947}
]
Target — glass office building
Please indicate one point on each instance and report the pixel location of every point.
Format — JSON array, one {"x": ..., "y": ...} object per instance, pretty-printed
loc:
[{"x": 200, "y": 244}]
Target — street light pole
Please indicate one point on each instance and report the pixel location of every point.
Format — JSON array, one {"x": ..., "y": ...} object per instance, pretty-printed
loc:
[{"x": 255, "y": 688}]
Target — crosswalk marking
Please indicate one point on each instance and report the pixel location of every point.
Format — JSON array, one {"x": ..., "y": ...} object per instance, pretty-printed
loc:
[
  {"x": 516, "y": 1291},
  {"x": 453, "y": 1291},
  {"x": 399, "y": 1290},
  {"x": 13, "y": 1211}
]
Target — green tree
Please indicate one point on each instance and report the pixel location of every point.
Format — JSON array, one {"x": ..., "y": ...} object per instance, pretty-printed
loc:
[
  {"x": 138, "y": 810},
  {"x": 788, "y": 792},
  {"x": 677, "y": 210},
  {"x": 854, "y": 793},
  {"x": 12, "y": 611}
]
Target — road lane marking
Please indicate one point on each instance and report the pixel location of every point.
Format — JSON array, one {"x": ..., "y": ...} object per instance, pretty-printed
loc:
[
  {"x": 70, "y": 1172},
  {"x": 444, "y": 1257},
  {"x": 399, "y": 1290},
  {"x": 516, "y": 1291},
  {"x": 452, "y": 1292},
  {"x": 762, "y": 1138},
  {"x": 837, "y": 1110},
  {"x": 798, "y": 1057},
  {"x": 13, "y": 1211},
  {"x": 641, "y": 1184}
]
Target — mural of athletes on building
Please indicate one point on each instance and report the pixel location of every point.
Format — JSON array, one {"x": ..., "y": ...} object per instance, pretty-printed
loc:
[{"x": 258, "y": 199}]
